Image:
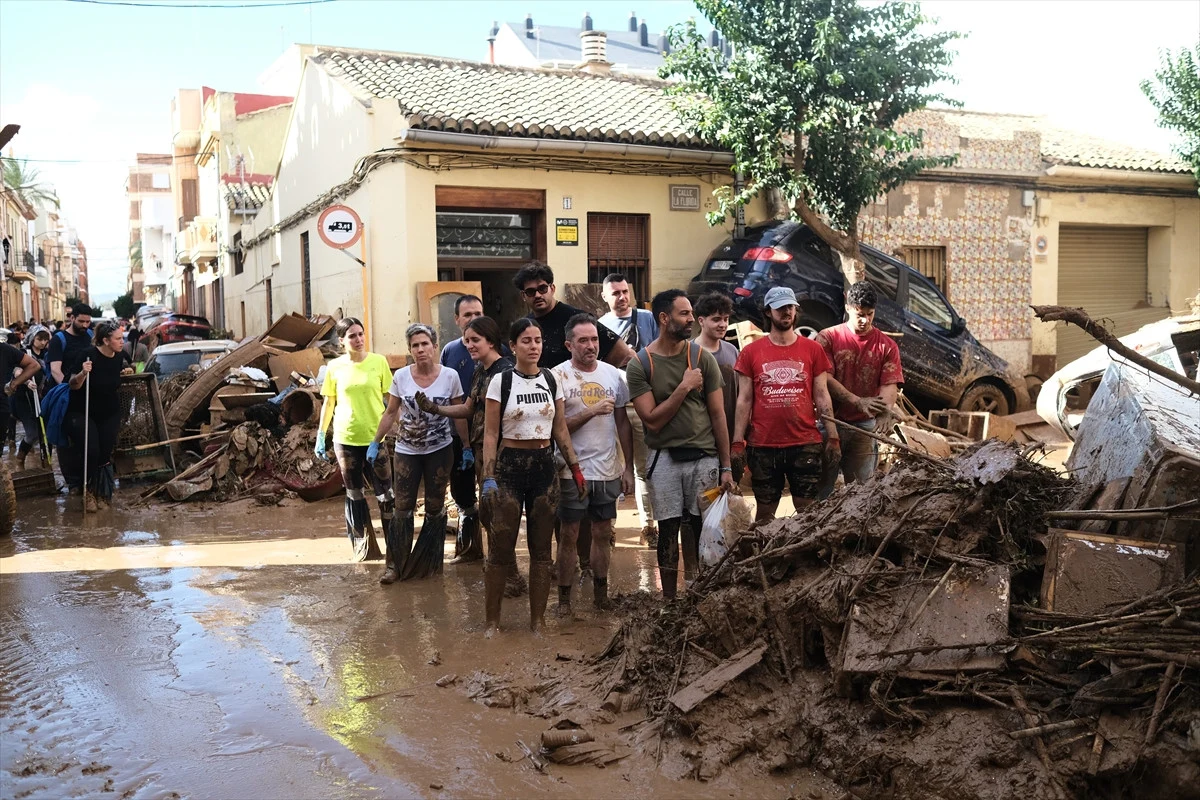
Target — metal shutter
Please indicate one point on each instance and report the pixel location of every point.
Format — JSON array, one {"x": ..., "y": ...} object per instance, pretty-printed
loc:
[
  {"x": 620, "y": 243},
  {"x": 1103, "y": 270}
]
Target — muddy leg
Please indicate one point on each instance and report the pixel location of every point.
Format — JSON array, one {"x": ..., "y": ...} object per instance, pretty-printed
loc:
[
  {"x": 601, "y": 553},
  {"x": 689, "y": 534},
  {"x": 565, "y": 565},
  {"x": 399, "y": 542},
  {"x": 668, "y": 555},
  {"x": 502, "y": 556},
  {"x": 585, "y": 547},
  {"x": 539, "y": 531}
]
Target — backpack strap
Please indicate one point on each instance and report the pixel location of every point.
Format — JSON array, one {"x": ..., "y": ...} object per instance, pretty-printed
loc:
[
  {"x": 505, "y": 391},
  {"x": 551, "y": 382},
  {"x": 643, "y": 356}
]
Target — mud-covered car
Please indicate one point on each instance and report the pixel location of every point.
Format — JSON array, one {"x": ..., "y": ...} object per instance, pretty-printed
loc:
[
  {"x": 1065, "y": 396},
  {"x": 944, "y": 364}
]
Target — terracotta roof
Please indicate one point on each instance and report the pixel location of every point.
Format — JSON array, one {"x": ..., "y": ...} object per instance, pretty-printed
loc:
[
  {"x": 250, "y": 195},
  {"x": 1060, "y": 146},
  {"x": 471, "y": 97}
]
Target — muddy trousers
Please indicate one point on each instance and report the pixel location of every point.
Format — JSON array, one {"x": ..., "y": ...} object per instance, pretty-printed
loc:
[
  {"x": 101, "y": 439},
  {"x": 410, "y": 471},
  {"x": 528, "y": 483},
  {"x": 357, "y": 474},
  {"x": 468, "y": 545},
  {"x": 669, "y": 533}
]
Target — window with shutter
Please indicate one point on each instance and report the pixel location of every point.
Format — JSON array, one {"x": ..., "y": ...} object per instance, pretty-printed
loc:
[
  {"x": 620, "y": 243},
  {"x": 929, "y": 261}
]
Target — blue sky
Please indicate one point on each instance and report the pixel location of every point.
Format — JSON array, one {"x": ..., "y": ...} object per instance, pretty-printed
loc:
[{"x": 92, "y": 83}]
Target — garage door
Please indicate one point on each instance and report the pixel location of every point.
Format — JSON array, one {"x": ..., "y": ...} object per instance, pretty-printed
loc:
[{"x": 1103, "y": 270}]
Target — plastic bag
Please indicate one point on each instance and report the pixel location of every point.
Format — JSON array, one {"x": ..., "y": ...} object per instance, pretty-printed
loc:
[{"x": 712, "y": 531}]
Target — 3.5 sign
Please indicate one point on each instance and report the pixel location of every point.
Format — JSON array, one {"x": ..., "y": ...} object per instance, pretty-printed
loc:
[{"x": 339, "y": 226}]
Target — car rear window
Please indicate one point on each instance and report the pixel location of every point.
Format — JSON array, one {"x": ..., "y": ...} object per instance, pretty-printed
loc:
[
  {"x": 168, "y": 364},
  {"x": 884, "y": 274}
]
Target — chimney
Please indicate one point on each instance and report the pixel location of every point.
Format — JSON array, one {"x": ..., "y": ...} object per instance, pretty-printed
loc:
[
  {"x": 529, "y": 26},
  {"x": 664, "y": 44},
  {"x": 643, "y": 34},
  {"x": 594, "y": 45},
  {"x": 633, "y": 22},
  {"x": 587, "y": 22},
  {"x": 492, "y": 34}
]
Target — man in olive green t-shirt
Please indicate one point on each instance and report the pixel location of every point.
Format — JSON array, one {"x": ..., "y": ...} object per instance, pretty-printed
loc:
[{"x": 676, "y": 390}]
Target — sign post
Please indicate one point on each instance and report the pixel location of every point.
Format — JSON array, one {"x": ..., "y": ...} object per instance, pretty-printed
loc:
[{"x": 340, "y": 227}]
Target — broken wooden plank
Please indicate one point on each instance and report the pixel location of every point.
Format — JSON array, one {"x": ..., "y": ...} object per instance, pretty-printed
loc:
[{"x": 715, "y": 679}]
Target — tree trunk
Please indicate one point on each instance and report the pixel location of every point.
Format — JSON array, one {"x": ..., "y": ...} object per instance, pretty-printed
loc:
[{"x": 846, "y": 244}]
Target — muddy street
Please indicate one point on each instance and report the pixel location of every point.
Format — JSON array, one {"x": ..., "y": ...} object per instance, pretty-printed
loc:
[{"x": 230, "y": 650}]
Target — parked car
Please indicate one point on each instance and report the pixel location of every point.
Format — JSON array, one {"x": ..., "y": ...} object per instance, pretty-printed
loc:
[
  {"x": 167, "y": 359},
  {"x": 146, "y": 316},
  {"x": 944, "y": 365},
  {"x": 174, "y": 327},
  {"x": 1064, "y": 398}
]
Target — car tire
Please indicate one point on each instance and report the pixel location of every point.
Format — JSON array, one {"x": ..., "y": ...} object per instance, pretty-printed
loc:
[
  {"x": 984, "y": 397},
  {"x": 809, "y": 326}
]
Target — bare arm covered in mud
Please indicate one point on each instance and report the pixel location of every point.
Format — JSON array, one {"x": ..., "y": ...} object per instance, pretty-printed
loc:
[
  {"x": 625, "y": 437},
  {"x": 872, "y": 406},
  {"x": 491, "y": 437},
  {"x": 562, "y": 436},
  {"x": 461, "y": 410},
  {"x": 389, "y": 418},
  {"x": 745, "y": 403},
  {"x": 715, "y": 400},
  {"x": 824, "y": 404}
]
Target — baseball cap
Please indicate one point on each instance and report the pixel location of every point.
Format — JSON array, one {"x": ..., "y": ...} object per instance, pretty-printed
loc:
[{"x": 779, "y": 297}]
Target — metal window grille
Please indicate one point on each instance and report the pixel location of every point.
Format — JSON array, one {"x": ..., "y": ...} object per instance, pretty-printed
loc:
[
  {"x": 930, "y": 262},
  {"x": 620, "y": 243}
]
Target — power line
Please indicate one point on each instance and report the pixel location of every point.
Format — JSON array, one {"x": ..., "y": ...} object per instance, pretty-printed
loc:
[{"x": 131, "y": 4}]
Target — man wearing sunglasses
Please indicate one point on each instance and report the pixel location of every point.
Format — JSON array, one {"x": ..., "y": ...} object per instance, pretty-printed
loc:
[{"x": 535, "y": 282}]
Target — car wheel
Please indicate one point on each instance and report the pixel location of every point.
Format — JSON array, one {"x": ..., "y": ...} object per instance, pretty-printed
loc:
[
  {"x": 984, "y": 397},
  {"x": 809, "y": 326}
]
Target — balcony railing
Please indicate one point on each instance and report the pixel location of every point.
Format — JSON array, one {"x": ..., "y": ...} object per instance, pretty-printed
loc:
[
  {"x": 20, "y": 266},
  {"x": 200, "y": 240}
]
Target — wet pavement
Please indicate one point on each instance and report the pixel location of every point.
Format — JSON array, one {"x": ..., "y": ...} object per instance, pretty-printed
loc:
[{"x": 223, "y": 651}]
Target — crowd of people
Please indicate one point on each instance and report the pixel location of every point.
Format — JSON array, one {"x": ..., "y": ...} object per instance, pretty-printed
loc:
[{"x": 577, "y": 412}]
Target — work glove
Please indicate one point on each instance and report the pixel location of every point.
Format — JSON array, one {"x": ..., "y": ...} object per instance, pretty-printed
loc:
[
  {"x": 468, "y": 460},
  {"x": 831, "y": 455},
  {"x": 489, "y": 489},
  {"x": 425, "y": 404},
  {"x": 580, "y": 481},
  {"x": 319, "y": 447},
  {"x": 487, "y": 501},
  {"x": 372, "y": 451}
]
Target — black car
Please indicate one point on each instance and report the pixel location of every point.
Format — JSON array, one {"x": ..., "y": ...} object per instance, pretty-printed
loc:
[{"x": 944, "y": 365}]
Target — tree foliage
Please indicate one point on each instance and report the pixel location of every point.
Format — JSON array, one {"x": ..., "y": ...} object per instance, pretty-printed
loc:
[
  {"x": 124, "y": 306},
  {"x": 72, "y": 300},
  {"x": 135, "y": 256},
  {"x": 809, "y": 99},
  {"x": 27, "y": 182},
  {"x": 1175, "y": 93}
]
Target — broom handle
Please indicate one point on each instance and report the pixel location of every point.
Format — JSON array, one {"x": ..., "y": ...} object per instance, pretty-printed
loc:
[{"x": 87, "y": 410}]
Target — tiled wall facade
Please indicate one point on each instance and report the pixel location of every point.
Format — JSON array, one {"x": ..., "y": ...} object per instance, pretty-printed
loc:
[{"x": 985, "y": 228}]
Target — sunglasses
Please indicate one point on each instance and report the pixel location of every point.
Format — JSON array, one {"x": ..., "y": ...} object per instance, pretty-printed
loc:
[{"x": 536, "y": 290}]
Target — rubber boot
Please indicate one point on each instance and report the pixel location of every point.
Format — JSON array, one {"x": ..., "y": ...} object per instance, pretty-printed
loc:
[
  {"x": 515, "y": 584},
  {"x": 360, "y": 531},
  {"x": 399, "y": 543},
  {"x": 22, "y": 453},
  {"x": 470, "y": 542},
  {"x": 689, "y": 541},
  {"x": 600, "y": 594},
  {"x": 429, "y": 552},
  {"x": 541, "y": 575},
  {"x": 563, "y": 610},
  {"x": 494, "y": 577}
]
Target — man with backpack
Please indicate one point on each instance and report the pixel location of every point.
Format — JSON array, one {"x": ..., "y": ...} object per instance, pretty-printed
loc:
[
  {"x": 67, "y": 349},
  {"x": 676, "y": 389}
]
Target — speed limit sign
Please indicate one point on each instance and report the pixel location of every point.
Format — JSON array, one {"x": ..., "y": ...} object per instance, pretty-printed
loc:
[{"x": 339, "y": 226}]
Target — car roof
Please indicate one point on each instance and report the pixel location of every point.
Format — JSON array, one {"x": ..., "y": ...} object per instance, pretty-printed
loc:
[{"x": 202, "y": 346}]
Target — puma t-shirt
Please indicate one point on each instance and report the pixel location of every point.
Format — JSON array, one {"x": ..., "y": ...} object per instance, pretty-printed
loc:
[{"x": 529, "y": 413}]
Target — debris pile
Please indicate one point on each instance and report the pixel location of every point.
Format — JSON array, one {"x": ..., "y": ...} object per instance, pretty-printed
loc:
[
  {"x": 293, "y": 461},
  {"x": 172, "y": 386},
  {"x": 891, "y": 637}
]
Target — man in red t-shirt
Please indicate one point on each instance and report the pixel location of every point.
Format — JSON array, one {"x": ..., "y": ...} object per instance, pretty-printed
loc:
[
  {"x": 866, "y": 380},
  {"x": 782, "y": 388}
]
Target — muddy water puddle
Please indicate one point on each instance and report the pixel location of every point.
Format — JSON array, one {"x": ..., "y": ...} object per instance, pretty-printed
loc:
[{"x": 225, "y": 651}]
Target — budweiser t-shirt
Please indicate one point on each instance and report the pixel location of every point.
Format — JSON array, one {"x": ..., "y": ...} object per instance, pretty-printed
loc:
[
  {"x": 860, "y": 363},
  {"x": 783, "y": 414}
]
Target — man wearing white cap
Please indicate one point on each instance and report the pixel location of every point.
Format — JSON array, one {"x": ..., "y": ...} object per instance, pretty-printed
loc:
[{"x": 782, "y": 389}]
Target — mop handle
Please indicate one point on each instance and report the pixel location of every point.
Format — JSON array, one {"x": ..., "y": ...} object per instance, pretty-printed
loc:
[{"x": 87, "y": 409}]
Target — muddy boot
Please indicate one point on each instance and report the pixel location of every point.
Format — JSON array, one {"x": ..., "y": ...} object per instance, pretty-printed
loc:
[
  {"x": 541, "y": 575},
  {"x": 22, "y": 454},
  {"x": 399, "y": 543},
  {"x": 515, "y": 584},
  {"x": 359, "y": 530},
  {"x": 494, "y": 577},
  {"x": 649, "y": 537},
  {"x": 89, "y": 502},
  {"x": 563, "y": 610},
  {"x": 429, "y": 552},
  {"x": 600, "y": 594},
  {"x": 689, "y": 534},
  {"x": 470, "y": 542}
]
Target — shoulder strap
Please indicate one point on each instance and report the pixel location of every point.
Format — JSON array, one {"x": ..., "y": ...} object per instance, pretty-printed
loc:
[
  {"x": 57, "y": 334},
  {"x": 551, "y": 381},
  {"x": 693, "y": 355},
  {"x": 643, "y": 356},
  {"x": 505, "y": 390}
]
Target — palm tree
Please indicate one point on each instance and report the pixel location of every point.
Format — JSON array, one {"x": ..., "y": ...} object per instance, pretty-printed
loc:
[{"x": 27, "y": 183}]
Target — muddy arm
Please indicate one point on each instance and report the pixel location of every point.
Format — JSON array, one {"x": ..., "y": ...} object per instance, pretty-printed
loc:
[
  {"x": 388, "y": 420},
  {"x": 824, "y": 404},
  {"x": 562, "y": 436},
  {"x": 491, "y": 437},
  {"x": 745, "y": 403},
  {"x": 1077, "y": 316}
]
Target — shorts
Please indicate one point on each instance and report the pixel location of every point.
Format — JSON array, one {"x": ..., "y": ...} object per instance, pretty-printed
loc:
[
  {"x": 769, "y": 466},
  {"x": 675, "y": 486},
  {"x": 601, "y": 502}
]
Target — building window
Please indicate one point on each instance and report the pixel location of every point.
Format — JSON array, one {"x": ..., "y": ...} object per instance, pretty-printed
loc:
[
  {"x": 239, "y": 258},
  {"x": 490, "y": 235},
  {"x": 929, "y": 261},
  {"x": 620, "y": 243},
  {"x": 160, "y": 180}
]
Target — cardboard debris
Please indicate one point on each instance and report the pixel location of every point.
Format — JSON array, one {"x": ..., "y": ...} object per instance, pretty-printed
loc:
[
  {"x": 307, "y": 363},
  {"x": 295, "y": 332},
  {"x": 1090, "y": 573},
  {"x": 715, "y": 679}
]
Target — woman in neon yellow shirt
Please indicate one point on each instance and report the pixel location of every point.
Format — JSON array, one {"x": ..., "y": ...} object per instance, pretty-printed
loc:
[{"x": 354, "y": 388}]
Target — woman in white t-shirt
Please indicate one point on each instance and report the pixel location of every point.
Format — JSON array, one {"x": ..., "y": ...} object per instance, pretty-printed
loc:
[
  {"x": 519, "y": 474},
  {"x": 424, "y": 453}
]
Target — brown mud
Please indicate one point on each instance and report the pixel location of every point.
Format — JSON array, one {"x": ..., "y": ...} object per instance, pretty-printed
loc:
[{"x": 229, "y": 650}]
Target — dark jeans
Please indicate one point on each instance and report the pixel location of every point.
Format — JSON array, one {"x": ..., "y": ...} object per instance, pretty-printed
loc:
[
  {"x": 462, "y": 482},
  {"x": 101, "y": 439},
  {"x": 528, "y": 482}
]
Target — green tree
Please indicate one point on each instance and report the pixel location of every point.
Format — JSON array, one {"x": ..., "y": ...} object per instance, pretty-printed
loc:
[
  {"x": 27, "y": 182},
  {"x": 124, "y": 306},
  {"x": 72, "y": 300},
  {"x": 135, "y": 256},
  {"x": 808, "y": 102},
  {"x": 1175, "y": 92}
]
